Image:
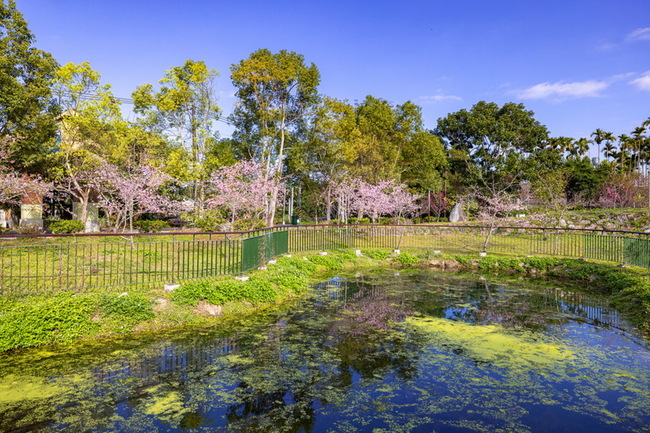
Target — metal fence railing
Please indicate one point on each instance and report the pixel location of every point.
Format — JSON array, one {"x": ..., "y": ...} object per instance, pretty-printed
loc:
[
  {"x": 41, "y": 263},
  {"x": 262, "y": 248}
]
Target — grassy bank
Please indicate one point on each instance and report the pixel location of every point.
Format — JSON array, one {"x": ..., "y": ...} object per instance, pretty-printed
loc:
[{"x": 64, "y": 317}]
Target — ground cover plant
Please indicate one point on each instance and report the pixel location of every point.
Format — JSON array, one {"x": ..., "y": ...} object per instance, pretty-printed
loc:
[{"x": 63, "y": 317}]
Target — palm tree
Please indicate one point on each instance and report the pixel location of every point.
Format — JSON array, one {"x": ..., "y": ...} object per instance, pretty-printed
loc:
[
  {"x": 599, "y": 137},
  {"x": 609, "y": 138},
  {"x": 625, "y": 144},
  {"x": 609, "y": 150},
  {"x": 581, "y": 146},
  {"x": 562, "y": 144}
]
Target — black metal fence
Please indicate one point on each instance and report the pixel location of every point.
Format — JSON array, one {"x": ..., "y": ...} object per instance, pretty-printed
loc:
[{"x": 41, "y": 263}]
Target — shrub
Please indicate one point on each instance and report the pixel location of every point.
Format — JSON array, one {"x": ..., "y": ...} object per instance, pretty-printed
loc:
[
  {"x": 292, "y": 279},
  {"x": 61, "y": 318},
  {"x": 67, "y": 226},
  {"x": 192, "y": 293},
  {"x": 209, "y": 222},
  {"x": 362, "y": 221},
  {"x": 129, "y": 308},
  {"x": 396, "y": 221},
  {"x": 255, "y": 290},
  {"x": 258, "y": 290},
  {"x": 328, "y": 262},
  {"x": 346, "y": 255},
  {"x": 304, "y": 267},
  {"x": 153, "y": 226},
  {"x": 246, "y": 224},
  {"x": 407, "y": 259},
  {"x": 29, "y": 229},
  {"x": 376, "y": 254}
]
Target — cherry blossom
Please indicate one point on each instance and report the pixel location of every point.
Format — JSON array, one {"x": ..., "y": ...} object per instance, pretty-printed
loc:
[{"x": 242, "y": 188}]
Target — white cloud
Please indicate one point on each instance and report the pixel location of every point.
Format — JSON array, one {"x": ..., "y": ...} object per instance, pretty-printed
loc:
[
  {"x": 642, "y": 82},
  {"x": 439, "y": 98},
  {"x": 642, "y": 34},
  {"x": 562, "y": 90},
  {"x": 607, "y": 46}
]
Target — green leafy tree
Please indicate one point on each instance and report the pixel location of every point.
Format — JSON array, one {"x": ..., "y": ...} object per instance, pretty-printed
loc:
[
  {"x": 184, "y": 110},
  {"x": 390, "y": 142},
  {"x": 90, "y": 113},
  {"x": 319, "y": 160},
  {"x": 374, "y": 156},
  {"x": 609, "y": 149},
  {"x": 276, "y": 93},
  {"x": 638, "y": 141},
  {"x": 585, "y": 180},
  {"x": 27, "y": 110},
  {"x": 491, "y": 140},
  {"x": 373, "y": 141}
]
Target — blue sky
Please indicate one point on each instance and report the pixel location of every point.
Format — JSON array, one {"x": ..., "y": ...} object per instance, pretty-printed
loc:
[{"x": 578, "y": 64}]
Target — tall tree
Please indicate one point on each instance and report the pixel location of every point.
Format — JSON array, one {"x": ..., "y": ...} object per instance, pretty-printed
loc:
[
  {"x": 579, "y": 147},
  {"x": 393, "y": 144},
  {"x": 492, "y": 137},
  {"x": 275, "y": 93},
  {"x": 184, "y": 110},
  {"x": 319, "y": 161},
  {"x": 599, "y": 137},
  {"x": 638, "y": 140},
  {"x": 609, "y": 149},
  {"x": 241, "y": 188},
  {"x": 27, "y": 110},
  {"x": 90, "y": 113}
]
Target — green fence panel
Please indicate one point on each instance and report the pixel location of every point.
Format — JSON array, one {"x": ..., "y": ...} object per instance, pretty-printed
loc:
[
  {"x": 260, "y": 249},
  {"x": 637, "y": 252},
  {"x": 608, "y": 248}
]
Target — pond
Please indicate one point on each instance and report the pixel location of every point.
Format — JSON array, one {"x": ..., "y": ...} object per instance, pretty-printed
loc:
[{"x": 379, "y": 352}]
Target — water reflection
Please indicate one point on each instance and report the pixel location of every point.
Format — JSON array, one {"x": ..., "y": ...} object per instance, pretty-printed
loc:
[{"x": 377, "y": 352}]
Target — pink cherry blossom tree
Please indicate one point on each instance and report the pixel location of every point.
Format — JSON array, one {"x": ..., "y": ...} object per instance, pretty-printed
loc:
[
  {"x": 402, "y": 201},
  {"x": 493, "y": 207},
  {"x": 372, "y": 200},
  {"x": 14, "y": 185},
  {"x": 243, "y": 188},
  {"x": 385, "y": 198},
  {"x": 127, "y": 194},
  {"x": 345, "y": 193}
]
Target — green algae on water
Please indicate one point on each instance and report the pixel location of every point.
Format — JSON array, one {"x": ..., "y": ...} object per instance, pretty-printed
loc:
[{"x": 491, "y": 344}]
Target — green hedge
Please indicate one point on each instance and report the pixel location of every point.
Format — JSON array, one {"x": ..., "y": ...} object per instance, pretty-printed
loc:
[
  {"x": 67, "y": 226},
  {"x": 153, "y": 226}
]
